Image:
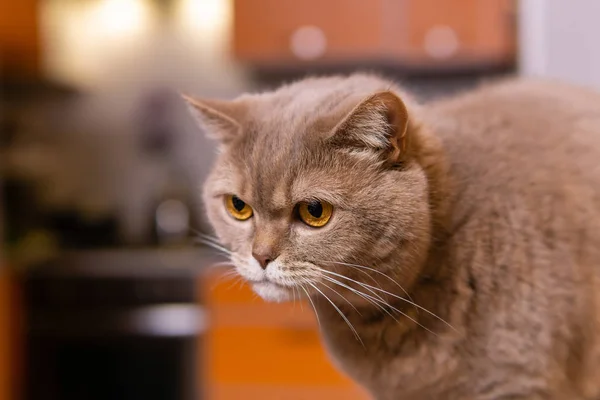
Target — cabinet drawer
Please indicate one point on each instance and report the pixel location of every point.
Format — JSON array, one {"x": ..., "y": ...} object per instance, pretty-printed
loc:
[
  {"x": 460, "y": 29},
  {"x": 288, "y": 30}
]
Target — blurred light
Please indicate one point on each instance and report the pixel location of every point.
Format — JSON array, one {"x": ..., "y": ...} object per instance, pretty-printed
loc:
[
  {"x": 82, "y": 37},
  {"x": 172, "y": 217},
  {"x": 169, "y": 320},
  {"x": 204, "y": 16},
  {"x": 120, "y": 17}
]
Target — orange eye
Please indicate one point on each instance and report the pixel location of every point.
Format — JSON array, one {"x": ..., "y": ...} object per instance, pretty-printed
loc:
[
  {"x": 315, "y": 213},
  {"x": 238, "y": 208}
]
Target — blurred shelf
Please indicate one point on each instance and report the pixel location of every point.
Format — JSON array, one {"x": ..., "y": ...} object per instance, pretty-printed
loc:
[{"x": 130, "y": 263}]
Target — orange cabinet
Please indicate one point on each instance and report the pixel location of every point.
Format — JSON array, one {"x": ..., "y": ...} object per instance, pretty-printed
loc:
[
  {"x": 405, "y": 32},
  {"x": 258, "y": 350},
  {"x": 467, "y": 31},
  {"x": 19, "y": 37}
]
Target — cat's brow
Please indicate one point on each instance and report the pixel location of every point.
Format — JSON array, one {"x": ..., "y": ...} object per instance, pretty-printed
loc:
[{"x": 306, "y": 195}]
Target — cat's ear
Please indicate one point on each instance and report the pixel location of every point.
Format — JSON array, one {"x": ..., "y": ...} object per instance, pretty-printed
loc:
[
  {"x": 380, "y": 122},
  {"x": 219, "y": 119}
]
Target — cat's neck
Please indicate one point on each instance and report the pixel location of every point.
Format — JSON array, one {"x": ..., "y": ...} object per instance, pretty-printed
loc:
[
  {"x": 407, "y": 332},
  {"x": 421, "y": 310},
  {"x": 399, "y": 334}
]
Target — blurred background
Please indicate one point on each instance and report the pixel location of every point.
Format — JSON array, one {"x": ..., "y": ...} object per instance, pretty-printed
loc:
[{"x": 104, "y": 293}]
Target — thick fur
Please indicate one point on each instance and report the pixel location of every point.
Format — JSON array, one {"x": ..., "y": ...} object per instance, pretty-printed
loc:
[{"x": 483, "y": 209}]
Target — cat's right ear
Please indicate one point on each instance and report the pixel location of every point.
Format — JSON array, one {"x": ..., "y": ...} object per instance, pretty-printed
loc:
[
  {"x": 379, "y": 123},
  {"x": 219, "y": 119}
]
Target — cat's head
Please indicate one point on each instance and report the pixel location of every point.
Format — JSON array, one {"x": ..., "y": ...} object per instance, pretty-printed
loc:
[{"x": 317, "y": 182}]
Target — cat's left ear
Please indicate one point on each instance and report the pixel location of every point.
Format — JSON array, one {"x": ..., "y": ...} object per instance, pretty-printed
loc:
[
  {"x": 379, "y": 123},
  {"x": 220, "y": 119}
]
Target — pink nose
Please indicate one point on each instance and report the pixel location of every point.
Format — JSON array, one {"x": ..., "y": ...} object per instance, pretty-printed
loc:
[{"x": 263, "y": 258}]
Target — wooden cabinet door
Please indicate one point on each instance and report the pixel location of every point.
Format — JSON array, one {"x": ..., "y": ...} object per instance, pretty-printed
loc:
[
  {"x": 467, "y": 30},
  {"x": 274, "y": 30},
  {"x": 258, "y": 350},
  {"x": 19, "y": 37}
]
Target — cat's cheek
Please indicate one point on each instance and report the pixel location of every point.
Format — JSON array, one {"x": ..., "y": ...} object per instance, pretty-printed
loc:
[
  {"x": 217, "y": 220},
  {"x": 231, "y": 233}
]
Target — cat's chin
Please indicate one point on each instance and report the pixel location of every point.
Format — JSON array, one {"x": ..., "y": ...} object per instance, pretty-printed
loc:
[{"x": 272, "y": 292}]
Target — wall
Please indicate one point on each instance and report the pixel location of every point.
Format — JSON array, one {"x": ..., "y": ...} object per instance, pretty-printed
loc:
[{"x": 559, "y": 39}]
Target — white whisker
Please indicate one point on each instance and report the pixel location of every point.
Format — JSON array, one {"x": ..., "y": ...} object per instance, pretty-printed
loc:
[
  {"x": 377, "y": 301},
  {"x": 413, "y": 304},
  {"x": 313, "y": 306},
  {"x": 207, "y": 237},
  {"x": 214, "y": 245},
  {"x": 204, "y": 235},
  {"x": 352, "y": 280},
  {"x": 221, "y": 264},
  {"x": 339, "y": 312},
  {"x": 370, "y": 299},
  {"x": 339, "y": 294},
  {"x": 222, "y": 277},
  {"x": 365, "y": 285},
  {"x": 235, "y": 282},
  {"x": 300, "y": 301},
  {"x": 360, "y": 267}
]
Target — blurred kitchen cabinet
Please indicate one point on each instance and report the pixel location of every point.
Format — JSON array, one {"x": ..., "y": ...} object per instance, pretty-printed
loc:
[
  {"x": 257, "y": 350},
  {"x": 19, "y": 37},
  {"x": 410, "y": 33}
]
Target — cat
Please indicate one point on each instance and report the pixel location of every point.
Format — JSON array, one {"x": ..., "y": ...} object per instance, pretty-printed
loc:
[{"x": 451, "y": 250}]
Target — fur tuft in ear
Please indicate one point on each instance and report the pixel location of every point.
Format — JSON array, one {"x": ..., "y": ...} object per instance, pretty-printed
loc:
[
  {"x": 380, "y": 123},
  {"x": 219, "y": 119}
]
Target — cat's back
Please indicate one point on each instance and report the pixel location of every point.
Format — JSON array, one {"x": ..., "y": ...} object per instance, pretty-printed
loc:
[
  {"x": 524, "y": 138},
  {"x": 524, "y": 157}
]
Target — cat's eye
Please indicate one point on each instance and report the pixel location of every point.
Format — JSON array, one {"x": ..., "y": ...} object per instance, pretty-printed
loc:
[
  {"x": 237, "y": 207},
  {"x": 315, "y": 213}
]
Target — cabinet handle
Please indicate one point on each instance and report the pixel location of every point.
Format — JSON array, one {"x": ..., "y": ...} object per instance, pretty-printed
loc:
[
  {"x": 441, "y": 42},
  {"x": 308, "y": 43}
]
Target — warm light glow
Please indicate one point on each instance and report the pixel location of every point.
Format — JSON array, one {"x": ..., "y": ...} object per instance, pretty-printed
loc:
[
  {"x": 95, "y": 43},
  {"x": 205, "y": 16},
  {"x": 82, "y": 37},
  {"x": 120, "y": 17}
]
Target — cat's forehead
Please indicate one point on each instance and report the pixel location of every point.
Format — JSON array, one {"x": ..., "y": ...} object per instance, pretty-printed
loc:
[
  {"x": 275, "y": 174},
  {"x": 298, "y": 106},
  {"x": 269, "y": 159}
]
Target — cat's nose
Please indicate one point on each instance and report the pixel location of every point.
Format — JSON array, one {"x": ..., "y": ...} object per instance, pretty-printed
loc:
[{"x": 263, "y": 258}]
